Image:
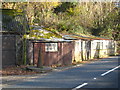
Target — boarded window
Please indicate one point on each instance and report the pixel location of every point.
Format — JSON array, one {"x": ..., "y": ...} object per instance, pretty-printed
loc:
[{"x": 51, "y": 47}]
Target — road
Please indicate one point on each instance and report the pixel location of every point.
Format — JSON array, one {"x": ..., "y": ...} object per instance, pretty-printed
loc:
[{"x": 103, "y": 73}]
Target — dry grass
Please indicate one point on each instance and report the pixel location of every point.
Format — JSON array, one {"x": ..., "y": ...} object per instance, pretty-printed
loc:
[{"x": 19, "y": 70}]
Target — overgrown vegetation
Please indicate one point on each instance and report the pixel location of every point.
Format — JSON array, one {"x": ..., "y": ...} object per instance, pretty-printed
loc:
[{"x": 96, "y": 18}]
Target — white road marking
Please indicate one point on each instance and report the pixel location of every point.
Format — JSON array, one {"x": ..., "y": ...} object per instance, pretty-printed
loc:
[
  {"x": 80, "y": 86},
  {"x": 95, "y": 78},
  {"x": 110, "y": 71}
]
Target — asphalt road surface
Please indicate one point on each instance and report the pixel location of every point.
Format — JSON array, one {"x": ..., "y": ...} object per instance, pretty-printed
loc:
[{"x": 103, "y": 74}]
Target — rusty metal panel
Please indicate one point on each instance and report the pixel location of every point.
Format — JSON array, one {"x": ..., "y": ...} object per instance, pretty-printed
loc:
[
  {"x": 61, "y": 57},
  {"x": 67, "y": 53},
  {"x": 36, "y": 49}
]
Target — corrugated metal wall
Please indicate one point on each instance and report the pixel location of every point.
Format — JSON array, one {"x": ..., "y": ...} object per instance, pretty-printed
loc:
[
  {"x": 77, "y": 51},
  {"x": 63, "y": 56}
]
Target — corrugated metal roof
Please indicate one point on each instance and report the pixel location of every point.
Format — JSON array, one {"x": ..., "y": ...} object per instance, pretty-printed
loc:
[
  {"x": 83, "y": 37},
  {"x": 69, "y": 37},
  {"x": 75, "y": 37},
  {"x": 51, "y": 40}
]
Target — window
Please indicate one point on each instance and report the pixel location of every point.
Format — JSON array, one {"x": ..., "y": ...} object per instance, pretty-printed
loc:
[{"x": 51, "y": 47}]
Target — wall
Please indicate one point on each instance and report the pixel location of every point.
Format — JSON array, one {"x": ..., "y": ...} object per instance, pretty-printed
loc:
[
  {"x": 8, "y": 50},
  {"x": 77, "y": 56},
  {"x": 85, "y": 49},
  {"x": 98, "y": 49},
  {"x": 102, "y": 48},
  {"x": 63, "y": 56},
  {"x": 77, "y": 51}
]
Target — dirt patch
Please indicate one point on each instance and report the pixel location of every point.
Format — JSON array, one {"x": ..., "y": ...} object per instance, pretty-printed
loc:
[{"x": 16, "y": 70}]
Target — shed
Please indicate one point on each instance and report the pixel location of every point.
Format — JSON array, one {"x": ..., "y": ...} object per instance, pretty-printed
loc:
[
  {"x": 69, "y": 48},
  {"x": 101, "y": 48},
  {"x": 14, "y": 24},
  {"x": 93, "y": 47},
  {"x": 85, "y": 46},
  {"x": 82, "y": 47},
  {"x": 54, "y": 52},
  {"x": 76, "y": 56}
]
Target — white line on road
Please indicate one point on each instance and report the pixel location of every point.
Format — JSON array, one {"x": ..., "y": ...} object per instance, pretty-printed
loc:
[
  {"x": 80, "y": 86},
  {"x": 110, "y": 71}
]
